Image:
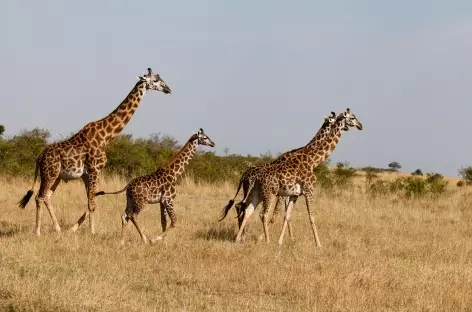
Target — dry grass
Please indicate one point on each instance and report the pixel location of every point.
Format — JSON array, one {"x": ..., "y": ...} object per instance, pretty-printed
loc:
[{"x": 378, "y": 255}]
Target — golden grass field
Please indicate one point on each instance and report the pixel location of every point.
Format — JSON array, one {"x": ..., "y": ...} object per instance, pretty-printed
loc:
[{"x": 383, "y": 254}]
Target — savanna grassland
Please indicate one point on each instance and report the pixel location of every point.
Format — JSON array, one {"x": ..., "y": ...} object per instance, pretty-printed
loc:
[{"x": 380, "y": 253}]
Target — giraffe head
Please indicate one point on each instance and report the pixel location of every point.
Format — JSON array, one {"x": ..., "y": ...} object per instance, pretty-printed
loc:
[
  {"x": 154, "y": 82},
  {"x": 350, "y": 120},
  {"x": 203, "y": 139}
]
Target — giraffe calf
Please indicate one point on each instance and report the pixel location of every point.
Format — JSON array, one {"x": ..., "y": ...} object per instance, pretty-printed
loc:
[{"x": 158, "y": 187}]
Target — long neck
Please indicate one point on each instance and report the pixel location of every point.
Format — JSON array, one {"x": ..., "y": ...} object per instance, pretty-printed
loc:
[
  {"x": 115, "y": 122},
  {"x": 319, "y": 137},
  {"x": 180, "y": 160},
  {"x": 320, "y": 150}
]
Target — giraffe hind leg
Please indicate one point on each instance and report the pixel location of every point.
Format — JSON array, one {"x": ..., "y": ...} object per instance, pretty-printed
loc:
[
  {"x": 46, "y": 189},
  {"x": 124, "y": 224},
  {"x": 49, "y": 207},
  {"x": 249, "y": 209}
]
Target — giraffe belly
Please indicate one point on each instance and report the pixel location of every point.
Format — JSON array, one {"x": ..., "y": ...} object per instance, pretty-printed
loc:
[
  {"x": 154, "y": 199},
  {"x": 290, "y": 190},
  {"x": 71, "y": 174}
]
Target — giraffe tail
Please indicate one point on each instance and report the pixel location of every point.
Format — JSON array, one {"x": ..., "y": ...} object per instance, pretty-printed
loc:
[
  {"x": 227, "y": 208},
  {"x": 110, "y": 193},
  {"x": 24, "y": 201}
]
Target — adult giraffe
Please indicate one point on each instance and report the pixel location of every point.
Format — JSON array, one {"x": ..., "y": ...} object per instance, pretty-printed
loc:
[{"x": 83, "y": 155}]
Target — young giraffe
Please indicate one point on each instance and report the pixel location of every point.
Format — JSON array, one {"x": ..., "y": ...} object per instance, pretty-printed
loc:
[
  {"x": 159, "y": 187},
  {"x": 293, "y": 178},
  {"x": 249, "y": 175},
  {"x": 83, "y": 155}
]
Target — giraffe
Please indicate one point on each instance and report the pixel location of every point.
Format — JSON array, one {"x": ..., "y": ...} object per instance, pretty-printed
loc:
[
  {"x": 158, "y": 187},
  {"x": 250, "y": 174},
  {"x": 83, "y": 155},
  {"x": 293, "y": 178}
]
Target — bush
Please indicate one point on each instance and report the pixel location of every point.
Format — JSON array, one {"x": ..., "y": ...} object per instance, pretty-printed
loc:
[
  {"x": 18, "y": 155},
  {"x": 460, "y": 183},
  {"x": 466, "y": 174},
  {"x": 410, "y": 187}
]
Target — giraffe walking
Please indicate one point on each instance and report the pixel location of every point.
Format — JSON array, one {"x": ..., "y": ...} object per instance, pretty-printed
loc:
[
  {"x": 159, "y": 187},
  {"x": 250, "y": 174},
  {"x": 293, "y": 178},
  {"x": 83, "y": 155}
]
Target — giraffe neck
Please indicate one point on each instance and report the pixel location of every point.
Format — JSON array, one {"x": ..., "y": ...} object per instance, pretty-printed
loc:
[
  {"x": 115, "y": 122},
  {"x": 181, "y": 159},
  {"x": 320, "y": 136},
  {"x": 320, "y": 150}
]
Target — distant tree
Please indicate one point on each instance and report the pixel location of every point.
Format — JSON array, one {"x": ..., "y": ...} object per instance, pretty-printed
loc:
[
  {"x": 2, "y": 129},
  {"x": 417, "y": 172},
  {"x": 394, "y": 165},
  {"x": 466, "y": 174}
]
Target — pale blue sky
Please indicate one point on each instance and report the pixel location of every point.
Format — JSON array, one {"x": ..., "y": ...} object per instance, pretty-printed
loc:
[{"x": 258, "y": 76}]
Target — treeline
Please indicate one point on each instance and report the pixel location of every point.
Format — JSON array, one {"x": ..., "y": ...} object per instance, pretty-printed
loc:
[{"x": 128, "y": 157}]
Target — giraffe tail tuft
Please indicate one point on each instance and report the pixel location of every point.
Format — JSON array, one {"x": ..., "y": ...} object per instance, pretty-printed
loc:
[
  {"x": 24, "y": 201},
  {"x": 226, "y": 209},
  {"x": 100, "y": 193}
]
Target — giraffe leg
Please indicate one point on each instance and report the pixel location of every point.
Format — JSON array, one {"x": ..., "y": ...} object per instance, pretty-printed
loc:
[
  {"x": 124, "y": 225},
  {"x": 90, "y": 182},
  {"x": 289, "y": 221},
  {"x": 75, "y": 227},
  {"x": 268, "y": 203},
  {"x": 48, "y": 181},
  {"x": 47, "y": 202},
  {"x": 168, "y": 206},
  {"x": 288, "y": 213},
  {"x": 249, "y": 209},
  {"x": 280, "y": 202},
  {"x": 132, "y": 217},
  {"x": 309, "y": 204},
  {"x": 163, "y": 218}
]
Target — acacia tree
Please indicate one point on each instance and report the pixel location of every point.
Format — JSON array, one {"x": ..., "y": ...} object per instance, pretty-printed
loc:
[
  {"x": 394, "y": 165},
  {"x": 2, "y": 129}
]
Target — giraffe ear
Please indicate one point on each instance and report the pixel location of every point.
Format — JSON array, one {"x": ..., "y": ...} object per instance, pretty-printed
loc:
[{"x": 141, "y": 78}]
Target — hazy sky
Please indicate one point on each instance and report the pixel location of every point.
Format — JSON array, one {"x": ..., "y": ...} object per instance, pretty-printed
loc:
[{"x": 258, "y": 76}]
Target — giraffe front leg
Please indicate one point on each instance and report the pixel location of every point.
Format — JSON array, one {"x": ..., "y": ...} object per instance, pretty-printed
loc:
[
  {"x": 268, "y": 203},
  {"x": 280, "y": 202},
  {"x": 288, "y": 214},
  {"x": 167, "y": 206},
  {"x": 90, "y": 182},
  {"x": 289, "y": 221},
  {"x": 308, "y": 192}
]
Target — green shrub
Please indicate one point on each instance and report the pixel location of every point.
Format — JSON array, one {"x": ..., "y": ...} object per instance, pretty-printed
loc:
[
  {"x": 460, "y": 183},
  {"x": 466, "y": 174}
]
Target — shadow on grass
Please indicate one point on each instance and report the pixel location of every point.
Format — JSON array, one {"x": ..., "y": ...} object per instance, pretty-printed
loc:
[
  {"x": 8, "y": 229},
  {"x": 219, "y": 234}
]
